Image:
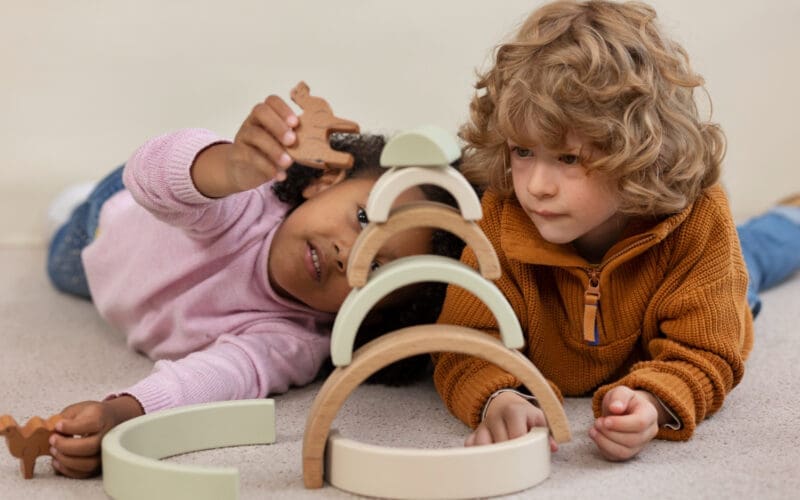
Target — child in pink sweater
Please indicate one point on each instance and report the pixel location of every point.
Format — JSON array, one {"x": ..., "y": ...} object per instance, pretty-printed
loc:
[{"x": 225, "y": 265}]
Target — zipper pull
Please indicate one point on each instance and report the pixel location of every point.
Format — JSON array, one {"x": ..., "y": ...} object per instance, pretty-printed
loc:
[{"x": 591, "y": 300}]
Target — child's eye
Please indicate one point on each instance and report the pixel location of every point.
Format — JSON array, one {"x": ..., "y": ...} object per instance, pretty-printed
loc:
[
  {"x": 375, "y": 265},
  {"x": 569, "y": 159},
  {"x": 361, "y": 215},
  {"x": 522, "y": 152}
]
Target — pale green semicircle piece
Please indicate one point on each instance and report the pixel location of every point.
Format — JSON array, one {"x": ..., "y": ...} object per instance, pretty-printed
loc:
[
  {"x": 428, "y": 145},
  {"x": 416, "y": 269}
]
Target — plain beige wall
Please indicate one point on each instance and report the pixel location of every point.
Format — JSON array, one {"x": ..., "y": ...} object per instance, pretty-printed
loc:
[{"x": 86, "y": 82}]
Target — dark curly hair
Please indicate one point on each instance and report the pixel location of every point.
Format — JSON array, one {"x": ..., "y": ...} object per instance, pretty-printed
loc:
[{"x": 422, "y": 306}]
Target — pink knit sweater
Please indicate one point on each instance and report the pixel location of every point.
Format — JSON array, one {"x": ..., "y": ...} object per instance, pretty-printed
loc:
[{"x": 185, "y": 278}]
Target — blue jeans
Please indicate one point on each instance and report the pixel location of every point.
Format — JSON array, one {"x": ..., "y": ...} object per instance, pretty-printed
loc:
[
  {"x": 64, "y": 264},
  {"x": 771, "y": 249}
]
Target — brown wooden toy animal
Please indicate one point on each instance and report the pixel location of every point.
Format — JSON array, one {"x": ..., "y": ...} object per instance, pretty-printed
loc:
[
  {"x": 29, "y": 442},
  {"x": 317, "y": 122}
]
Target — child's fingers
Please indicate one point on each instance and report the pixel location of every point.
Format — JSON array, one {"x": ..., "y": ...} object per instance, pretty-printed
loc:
[
  {"x": 536, "y": 419},
  {"x": 76, "y": 447},
  {"x": 553, "y": 445},
  {"x": 634, "y": 422},
  {"x": 516, "y": 425},
  {"x": 624, "y": 439},
  {"x": 87, "y": 422},
  {"x": 264, "y": 146},
  {"x": 77, "y": 468},
  {"x": 265, "y": 117},
  {"x": 283, "y": 110},
  {"x": 609, "y": 448},
  {"x": 479, "y": 437},
  {"x": 497, "y": 428},
  {"x": 617, "y": 400}
]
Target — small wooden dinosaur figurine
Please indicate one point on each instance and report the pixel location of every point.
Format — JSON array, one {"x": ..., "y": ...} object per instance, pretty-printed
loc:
[
  {"x": 28, "y": 442},
  {"x": 317, "y": 122}
]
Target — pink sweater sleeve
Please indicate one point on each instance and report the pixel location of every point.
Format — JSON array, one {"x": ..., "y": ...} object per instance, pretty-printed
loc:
[
  {"x": 158, "y": 176},
  {"x": 266, "y": 360}
]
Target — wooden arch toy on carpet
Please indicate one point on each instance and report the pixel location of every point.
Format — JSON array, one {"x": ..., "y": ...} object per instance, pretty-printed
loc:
[
  {"x": 417, "y": 269},
  {"x": 425, "y": 146},
  {"x": 421, "y": 156},
  {"x": 413, "y": 215},
  {"x": 131, "y": 452},
  {"x": 397, "y": 180},
  {"x": 464, "y": 482},
  {"x": 411, "y": 473}
]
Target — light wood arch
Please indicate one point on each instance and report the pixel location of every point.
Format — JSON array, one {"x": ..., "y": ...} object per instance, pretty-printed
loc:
[
  {"x": 407, "y": 342},
  {"x": 414, "y": 215},
  {"x": 394, "y": 182},
  {"x": 418, "y": 269}
]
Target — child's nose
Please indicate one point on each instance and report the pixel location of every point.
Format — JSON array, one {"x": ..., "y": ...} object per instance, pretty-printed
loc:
[
  {"x": 541, "y": 183},
  {"x": 342, "y": 254}
]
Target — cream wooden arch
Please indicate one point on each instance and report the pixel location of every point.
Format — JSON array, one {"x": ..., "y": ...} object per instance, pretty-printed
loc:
[
  {"x": 413, "y": 215},
  {"x": 409, "y": 342},
  {"x": 477, "y": 472},
  {"x": 394, "y": 182},
  {"x": 417, "y": 269}
]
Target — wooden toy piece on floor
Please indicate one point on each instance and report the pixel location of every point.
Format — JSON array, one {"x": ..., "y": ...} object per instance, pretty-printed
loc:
[
  {"x": 399, "y": 179},
  {"x": 317, "y": 122},
  {"x": 132, "y": 468},
  {"x": 417, "y": 269},
  {"x": 407, "y": 342},
  {"x": 29, "y": 442},
  {"x": 470, "y": 472},
  {"x": 419, "y": 214}
]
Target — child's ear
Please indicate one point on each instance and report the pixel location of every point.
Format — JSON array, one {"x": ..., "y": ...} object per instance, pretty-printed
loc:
[{"x": 330, "y": 177}]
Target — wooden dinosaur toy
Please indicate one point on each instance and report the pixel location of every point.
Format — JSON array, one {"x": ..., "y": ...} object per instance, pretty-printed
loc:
[
  {"x": 317, "y": 122},
  {"x": 29, "y": 442}
]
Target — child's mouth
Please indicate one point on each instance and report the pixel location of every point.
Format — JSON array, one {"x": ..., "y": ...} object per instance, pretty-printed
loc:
[{"x": 315, "y": 262}]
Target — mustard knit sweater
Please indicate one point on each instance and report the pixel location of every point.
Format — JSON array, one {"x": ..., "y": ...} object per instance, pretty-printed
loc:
[{"x": 665, "y": 311}]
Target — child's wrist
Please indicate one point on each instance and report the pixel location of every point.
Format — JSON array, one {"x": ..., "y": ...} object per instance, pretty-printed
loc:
[
  {"x": 666, "y": 417},
  {"x": 124, "y": 408},
  {"x": 505, "y": 396},
  {"x": 210, "y": 173}
]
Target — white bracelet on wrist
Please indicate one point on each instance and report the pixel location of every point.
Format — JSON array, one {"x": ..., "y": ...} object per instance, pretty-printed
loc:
[{"x": 498, "y": 392}]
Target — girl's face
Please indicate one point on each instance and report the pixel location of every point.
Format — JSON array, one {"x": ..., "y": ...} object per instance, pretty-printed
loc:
[
  {"x": 308, "y": 257},
  {"x": 565, "y": 202}
]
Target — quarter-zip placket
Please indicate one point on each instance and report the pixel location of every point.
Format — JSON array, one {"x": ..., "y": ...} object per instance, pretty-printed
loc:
[
  {"x": 591, "y": 301},
  {"x": 591, "y": 297}
]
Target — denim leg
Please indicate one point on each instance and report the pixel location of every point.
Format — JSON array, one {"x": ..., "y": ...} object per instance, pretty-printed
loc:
[
  {"x": 771, "y": 249},
  {"x": 64, "y": 264}
]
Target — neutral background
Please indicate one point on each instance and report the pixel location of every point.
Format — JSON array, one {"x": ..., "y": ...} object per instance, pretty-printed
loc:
[{"x": 85, "y": 82}]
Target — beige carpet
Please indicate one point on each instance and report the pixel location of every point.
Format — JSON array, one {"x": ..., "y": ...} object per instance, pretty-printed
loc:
[{"x": 55, "y": 350}]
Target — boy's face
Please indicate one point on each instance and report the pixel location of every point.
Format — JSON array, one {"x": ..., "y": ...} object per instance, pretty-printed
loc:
[
  {"x": 308, "y": 257},
  {"x": 565, "y": 202}
]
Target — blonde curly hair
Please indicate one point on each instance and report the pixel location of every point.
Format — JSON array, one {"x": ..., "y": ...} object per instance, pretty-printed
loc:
[{"x": 605, "y": 72}]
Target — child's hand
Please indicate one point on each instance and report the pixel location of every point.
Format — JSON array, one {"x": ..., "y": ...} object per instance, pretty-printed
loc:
[
  {"x": 258, "y": 153},
  {"x": 508, "y": 416},
  {"x": 630, "y": 420},
  {"x": 76, "y": 445}
]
